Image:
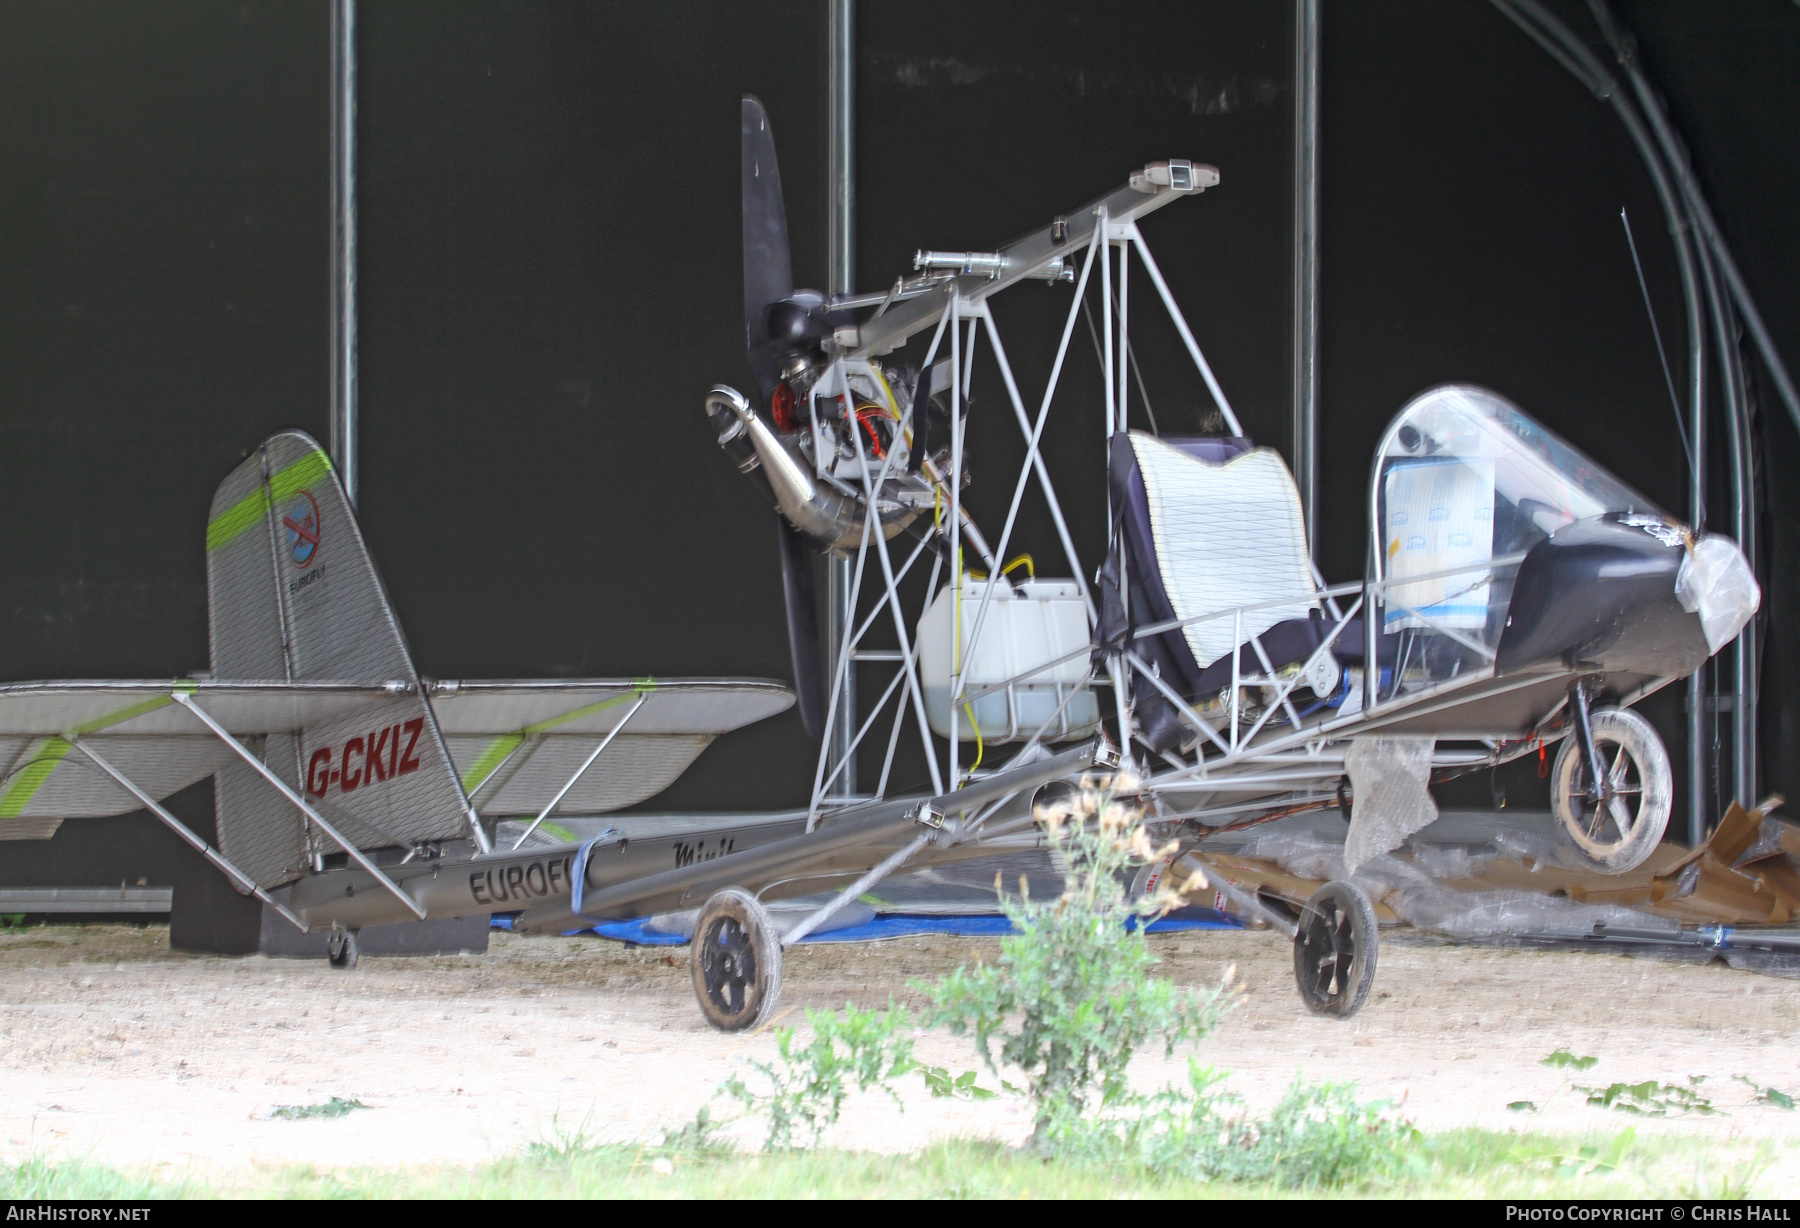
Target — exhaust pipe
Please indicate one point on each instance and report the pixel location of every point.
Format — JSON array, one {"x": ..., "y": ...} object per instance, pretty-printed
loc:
[{"x": 831, "y": 519}]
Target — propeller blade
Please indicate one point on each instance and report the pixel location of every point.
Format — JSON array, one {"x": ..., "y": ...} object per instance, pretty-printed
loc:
[
  {"x": 768, "y": 271},
  {"x": 769, "y": 278},
  {"x": 803, "y": 625}
]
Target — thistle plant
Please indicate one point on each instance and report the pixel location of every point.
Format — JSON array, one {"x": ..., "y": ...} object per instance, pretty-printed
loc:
[{"x": 1071, "y": 1000}]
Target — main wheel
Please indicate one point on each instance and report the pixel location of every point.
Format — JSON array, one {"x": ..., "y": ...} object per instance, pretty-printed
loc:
[
  {"x": 341, "y": 949},
  {"x": 1615, "y": 831},
  {"x": 736, "y": 960},
  {"x": 1334, "y": 950}
]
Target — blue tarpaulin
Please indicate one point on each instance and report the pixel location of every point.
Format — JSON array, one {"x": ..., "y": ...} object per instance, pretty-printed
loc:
[{"x": 637, "y": 931}]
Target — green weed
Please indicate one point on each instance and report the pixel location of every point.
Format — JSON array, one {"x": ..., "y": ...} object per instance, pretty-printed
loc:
[
  {"x": 1766, "y": 1095},
  {"x": 334, "y": 1107},
  {"x": 802, "y": 1091},
  {"x": 1715, "y": 1182},
  {"x": 1649, "y": 1098},
  {"x": 1580, "y": 1160},
  {"x": 1469, "y": 1163},
  {"x": 1563, "y": 1059},
  {"x": 1071, "y": 1000},
  {"x": 38, "y": 1176},
  {"x": 558, "y": 1144},
  {"x": 942, "y": 1083}
]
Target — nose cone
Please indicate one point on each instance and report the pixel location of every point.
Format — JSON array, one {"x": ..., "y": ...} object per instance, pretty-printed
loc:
[{"x": 1600, "y": 594}]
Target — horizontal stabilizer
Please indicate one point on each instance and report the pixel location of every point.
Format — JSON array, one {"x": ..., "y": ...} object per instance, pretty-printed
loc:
[{"x": 517, "y": 744}]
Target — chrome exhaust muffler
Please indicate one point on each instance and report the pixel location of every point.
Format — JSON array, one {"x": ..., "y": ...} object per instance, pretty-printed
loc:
[{"x": 830, "y": 518}]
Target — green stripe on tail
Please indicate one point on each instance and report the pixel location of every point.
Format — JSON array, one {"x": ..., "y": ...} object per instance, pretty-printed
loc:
[{"x": 251, "y": 509}]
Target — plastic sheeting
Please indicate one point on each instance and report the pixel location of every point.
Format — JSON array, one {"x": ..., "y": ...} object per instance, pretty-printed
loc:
[
  {"x": 1391, "y": 778},
  {"x": 1415, "y": 890},
  {"x": 1533, "y": 848},
  {"x": 1716, "y": 583}
]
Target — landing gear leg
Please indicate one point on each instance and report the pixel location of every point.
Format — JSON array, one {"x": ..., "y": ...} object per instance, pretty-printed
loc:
[{"x": 736, "y": 961}]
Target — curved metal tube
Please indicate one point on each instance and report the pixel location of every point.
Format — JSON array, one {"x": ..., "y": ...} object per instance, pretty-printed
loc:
[
  {"x": 1699, "y": 251},
  {"x": 828, "y": 517}
]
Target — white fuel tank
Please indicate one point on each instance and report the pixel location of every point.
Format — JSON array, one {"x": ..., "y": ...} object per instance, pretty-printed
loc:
[{"x": 1041, "y": 622}]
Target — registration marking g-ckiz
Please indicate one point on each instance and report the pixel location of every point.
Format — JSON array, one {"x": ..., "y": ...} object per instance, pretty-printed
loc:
[
  {"x": 366, "y": 759},
  {"x": 521, "y": 882}
]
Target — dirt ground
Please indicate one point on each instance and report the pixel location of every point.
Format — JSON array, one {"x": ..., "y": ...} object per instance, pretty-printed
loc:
[{"x": 122, "y": 1051}]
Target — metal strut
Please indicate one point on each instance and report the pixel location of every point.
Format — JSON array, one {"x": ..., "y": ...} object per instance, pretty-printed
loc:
[
  {"x": 1590, "y": 752},
  {"x": 357, "y": 855},
  {"x": 212, "y": 855},
  {"x": 581, "y": 771},
  {"x": 842, "y": 900}
]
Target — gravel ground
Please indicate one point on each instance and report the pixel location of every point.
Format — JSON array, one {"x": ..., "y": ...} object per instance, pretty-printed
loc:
[{"x": 125, "y": 1052}]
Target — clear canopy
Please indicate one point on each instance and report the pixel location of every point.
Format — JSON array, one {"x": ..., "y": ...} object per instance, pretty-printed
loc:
[{"x": 1464, "y": 483}]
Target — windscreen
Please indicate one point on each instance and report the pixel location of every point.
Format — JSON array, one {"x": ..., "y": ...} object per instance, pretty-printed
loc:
[
  {"x": 1533, "y": 481},
  {"x": 1464, "y": 483}
]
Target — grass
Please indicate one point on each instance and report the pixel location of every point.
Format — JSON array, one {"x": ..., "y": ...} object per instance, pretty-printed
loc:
[{"x": 1457, "y": 1164}]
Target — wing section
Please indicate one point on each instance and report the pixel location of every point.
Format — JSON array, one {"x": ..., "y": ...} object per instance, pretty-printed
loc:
[
  {"x": 517, "y": 743},
  {"x": 148, "y": 708},
  {"x": 140, "y": 729}
]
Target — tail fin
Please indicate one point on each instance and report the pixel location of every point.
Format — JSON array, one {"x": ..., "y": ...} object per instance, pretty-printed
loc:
[{"x": 295, "y": 597}]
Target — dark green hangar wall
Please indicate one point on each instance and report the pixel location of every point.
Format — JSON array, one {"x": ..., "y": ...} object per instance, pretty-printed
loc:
[{"x": 550, "y": 282}]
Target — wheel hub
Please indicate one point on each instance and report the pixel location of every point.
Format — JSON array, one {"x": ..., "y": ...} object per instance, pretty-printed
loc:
[{"x": 728, "y": 964}]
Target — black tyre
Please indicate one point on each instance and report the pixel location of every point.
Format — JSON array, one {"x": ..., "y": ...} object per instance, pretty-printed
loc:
[
  {"x": 341, "y": 949},
  {"x": 1334, "y": 950},
  {"x": 1615, "y": 832},
  {"x": 736, "y": 961}
]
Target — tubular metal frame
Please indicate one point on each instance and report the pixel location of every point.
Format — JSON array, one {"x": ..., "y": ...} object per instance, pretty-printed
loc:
[{"x": 1232, "y": 766}]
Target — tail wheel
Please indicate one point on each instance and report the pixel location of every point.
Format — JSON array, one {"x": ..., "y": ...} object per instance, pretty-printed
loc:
[
  {"x": 341, "y": 949},
  {"x": 736, "y": 961},
  {"x": 1334, "y": 950},
  {"x": 1613, "y": 828}
]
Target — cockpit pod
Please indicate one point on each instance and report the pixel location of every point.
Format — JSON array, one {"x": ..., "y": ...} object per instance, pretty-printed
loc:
[{"x": 1497, "y": 546}]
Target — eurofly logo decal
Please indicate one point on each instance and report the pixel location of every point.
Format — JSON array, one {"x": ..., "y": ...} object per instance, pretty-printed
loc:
[{"x": 300, "y": 521}]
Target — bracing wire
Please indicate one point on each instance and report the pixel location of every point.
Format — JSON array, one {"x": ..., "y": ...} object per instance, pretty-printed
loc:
[
  {"x": 1661, "y": 353},
  {"x": 1131, "y": 356}
]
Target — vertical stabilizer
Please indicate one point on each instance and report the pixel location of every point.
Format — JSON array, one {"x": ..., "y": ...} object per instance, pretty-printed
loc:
[{"x": 295, "y": 597}]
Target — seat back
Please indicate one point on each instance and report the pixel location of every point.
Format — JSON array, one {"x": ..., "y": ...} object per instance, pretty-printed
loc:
[{"x": 1225, "y": 535}]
